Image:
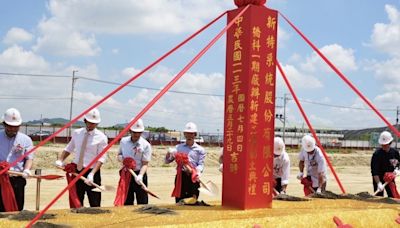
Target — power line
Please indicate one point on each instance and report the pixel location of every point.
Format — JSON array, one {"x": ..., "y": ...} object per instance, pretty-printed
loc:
[
  {"x": 156, "y": 89},
  {"x": 34, "y": 75},
  {"x": 33, "y": 98},
  {"x": 150, "y": 88}
]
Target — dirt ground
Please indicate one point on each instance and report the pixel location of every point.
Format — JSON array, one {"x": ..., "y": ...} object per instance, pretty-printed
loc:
[{"x": 352, "y": 169}]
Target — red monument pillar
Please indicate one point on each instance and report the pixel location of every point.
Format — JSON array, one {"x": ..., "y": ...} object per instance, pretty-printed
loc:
[{"x": 250, "y": 107}]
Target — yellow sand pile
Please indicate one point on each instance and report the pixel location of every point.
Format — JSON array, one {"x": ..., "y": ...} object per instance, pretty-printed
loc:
[{"x": 313, "y": 213}]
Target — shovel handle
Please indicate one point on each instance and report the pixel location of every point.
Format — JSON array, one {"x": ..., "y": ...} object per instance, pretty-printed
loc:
[
  {"x": 201, "y": 182},
  {"x": 377, "y": 191},
  {"x": 143, "y": 185},
  {"x": 39, "y": 177},
  {"x": 84, "y": 179},
  {"x": 384, "y": 185}
]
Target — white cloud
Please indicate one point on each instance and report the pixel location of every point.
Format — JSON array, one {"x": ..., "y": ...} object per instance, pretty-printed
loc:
[
  {"x": 17, "y": 35},
  {"x": 299, "y": 79},
  {"x": 388, "y": 73},
  {"x": 115, "y": 51},
  {"x": 136, "y": 17},
  {"x": 388, "y": 98},
  {"x": 58, "y": 39},
  {"x": 16, "y": 59},
  {"x": 72, "y": 26},
  {"x": 386, "y": 37},
  {"x": 91, "y": 98},
  {"x": 342, "y": 58},
  {"x": 130, "y": 72}
]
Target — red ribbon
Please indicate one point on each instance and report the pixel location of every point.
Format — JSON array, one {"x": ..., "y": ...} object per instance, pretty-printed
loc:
[
  {"x": 273, "y": 186},
  {"x": 389, "y": 178},
  {"x": 307, "y": 186},
  {"x": 7, "y": 192},
  {"x": 182, "y": 160},
  {"x": 240, "y": 3},
  {"x": 124, "y": 180},
  {"x": 73, "y": 196}
]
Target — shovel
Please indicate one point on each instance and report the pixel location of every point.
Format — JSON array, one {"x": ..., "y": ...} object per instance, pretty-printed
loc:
[
  {"x": 97, "y": 188},
  {"x": 384, "y": 185},
  {"x": 143, "y": 185},
  {"x": 45, "y": 177},
  {"x": 208, "y": 188}
]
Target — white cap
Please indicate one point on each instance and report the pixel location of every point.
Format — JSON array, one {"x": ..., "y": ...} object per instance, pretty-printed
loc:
[
  {"x": 138, "y": 126},
  {"x": 190, "y": 127},
  {"x": 12, "y": 117},
  {"x": 385, "y": 138},
  {"x": 93, "y": 116},
  {"x": 279, "y": 146},
  {"x": 308, "y": 143}
]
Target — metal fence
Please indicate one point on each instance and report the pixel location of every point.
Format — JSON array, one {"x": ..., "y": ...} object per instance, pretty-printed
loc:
[{"x": 292, "y": 139}]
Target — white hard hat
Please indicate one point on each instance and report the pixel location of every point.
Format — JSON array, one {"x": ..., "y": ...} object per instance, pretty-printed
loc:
[
  {"x": 279, "y": 146},
  {"x": 138, "y": 126},
  {"x": 93, "y": 116},
  {"x": 12, "y": 117},
  {"x": 308, "y": 143},
  {"x": 385, "y": 138},
  {"x": 190, "y": 127}
]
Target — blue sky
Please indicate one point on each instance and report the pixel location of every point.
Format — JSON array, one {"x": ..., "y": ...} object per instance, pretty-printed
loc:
[{"x": 112, "y": 40}]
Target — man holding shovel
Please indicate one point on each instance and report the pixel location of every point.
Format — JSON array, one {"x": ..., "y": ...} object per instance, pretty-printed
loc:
[
  {"x": 281, "y": 166},
  {"x": 311, "y": 157},
  {"x": 384, "y": 160},
  {"x": 87, "y": 143},
  {"x": 188, "y": 174},
  {"x": 138, "y": 148},
  {"x": 13, "y": 144}
]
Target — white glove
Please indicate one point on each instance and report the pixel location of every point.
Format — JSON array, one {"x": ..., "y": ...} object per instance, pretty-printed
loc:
[
  {"x": 319, "y": 190},
  {"x": 171, "y": 153},
  {"x": 221, "y": 168},
  {"x": 139, "y": 178},
  {"x": 380, "y": 186},
  {"x": 89, "y": 179},
  {"x": 300, "y": 175},
  {"x": 120, "y": 158},
  {"x": 282, "y": 192},
  {"x": 171, "y": 150},
  {"x": 396, "y": 172},
  {"x": 59, "y": 163},
  {"x": 26, "y": 173}
]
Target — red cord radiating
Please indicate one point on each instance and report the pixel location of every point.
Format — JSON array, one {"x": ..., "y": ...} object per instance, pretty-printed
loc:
[
  {"x": 113, "y": 92},
  {"x": 145, "y": 109},
  {"x": 309, "y": 125},
  {"x": 341, "y": 75}
]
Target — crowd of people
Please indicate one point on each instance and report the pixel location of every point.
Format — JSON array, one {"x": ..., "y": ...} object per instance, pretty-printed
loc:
[{"x": 135, "y": 154}]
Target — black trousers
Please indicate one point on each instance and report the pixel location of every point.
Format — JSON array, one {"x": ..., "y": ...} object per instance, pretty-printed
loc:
[
  {"x": 136, "y": 189},
  {"x": 82, "y": 188},
  {"x": 18, "y": 185},
  {"x": 188, "y": 189},
  {"x": 387, "y": 188},
  {"x": 278, "y": 186}
]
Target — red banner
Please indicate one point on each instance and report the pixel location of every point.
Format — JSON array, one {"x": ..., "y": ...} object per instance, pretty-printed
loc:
[{"x": 250, "y": 109}]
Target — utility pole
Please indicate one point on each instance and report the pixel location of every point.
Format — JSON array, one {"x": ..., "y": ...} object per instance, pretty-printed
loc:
[
  {"x": 282, "y": 117},
  {"x": 285, "y": 99},
  {"x": 72, "y": 100}
]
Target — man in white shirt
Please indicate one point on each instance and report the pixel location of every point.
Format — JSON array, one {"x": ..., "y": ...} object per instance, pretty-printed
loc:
[
  {"x": 311, "y": 157},
  {"x": 281, "y": 166},
  {"x": 13, "y": 145},
  {"x": 86, "y": 143},
  {"x": 136, "y": 147}
]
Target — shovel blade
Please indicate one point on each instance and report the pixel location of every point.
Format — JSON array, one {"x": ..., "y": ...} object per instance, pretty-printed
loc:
[{"x": 209, "y": 189}]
